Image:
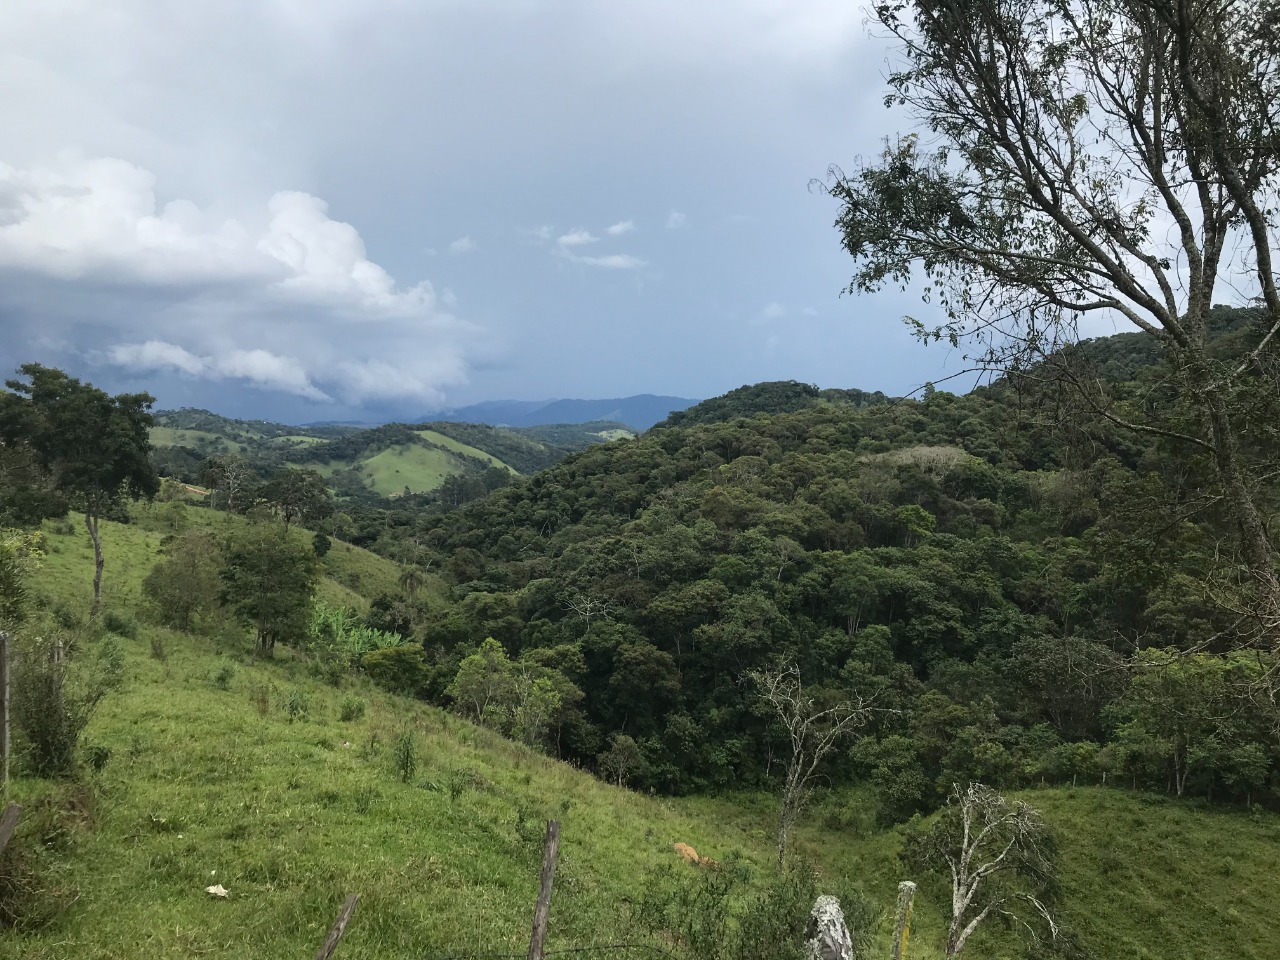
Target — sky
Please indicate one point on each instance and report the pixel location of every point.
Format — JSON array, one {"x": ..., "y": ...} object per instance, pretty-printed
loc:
[{"x": 322, "y": 210}]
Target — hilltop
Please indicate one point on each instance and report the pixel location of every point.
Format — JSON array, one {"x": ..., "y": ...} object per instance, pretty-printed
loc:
[
  {"x": 367, "y": 463},
  {"x": 637, "y": 413}
]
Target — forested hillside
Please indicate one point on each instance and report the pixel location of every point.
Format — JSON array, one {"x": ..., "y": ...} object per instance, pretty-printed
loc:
[{"x": 1024, "y": 592}]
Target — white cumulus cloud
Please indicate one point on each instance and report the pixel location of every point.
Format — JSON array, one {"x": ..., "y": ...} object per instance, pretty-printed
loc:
[
  {"x": 577, "y": 238},
  {"x": 618, "y": 229},
  {"x": 462, "y": 245},
  {"x": 676, "y": 220},
  {"x": 278, "y": 295}
]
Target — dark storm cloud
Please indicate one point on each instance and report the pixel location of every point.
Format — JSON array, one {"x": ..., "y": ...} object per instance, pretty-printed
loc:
[{"x": 390, "y": 206}]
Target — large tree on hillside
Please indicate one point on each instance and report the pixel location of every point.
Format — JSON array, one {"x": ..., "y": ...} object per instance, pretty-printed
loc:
[
  {"x": 298, "y": 495},
  {"x": 92, "y": 447},
  {"x": 269, "y": 579},
  {"x": 1091, "y": 156}
]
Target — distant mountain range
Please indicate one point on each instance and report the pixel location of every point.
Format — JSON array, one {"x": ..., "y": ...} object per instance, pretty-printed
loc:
[{"x": 639, "y": 412}]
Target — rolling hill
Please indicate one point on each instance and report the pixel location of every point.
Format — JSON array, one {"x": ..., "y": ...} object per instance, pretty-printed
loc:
[
  {"x": 382, "y": 461},
  {"x": 260, "y": 778},
  {"x": 637, "y": 413}
]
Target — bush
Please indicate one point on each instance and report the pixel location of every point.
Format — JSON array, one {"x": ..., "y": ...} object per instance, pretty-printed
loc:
[
  {"x": 111, "y": 662},
  {"x": 158, "y": 651},
  {"x": 400, "y": 669},
  {"x": 719, "y": 912},
  {"x": 296, "y": 704},
  {"x": 352, "y": 708},
  {"x": 121, "y": 624},
  {"x": 260, "y": 697},
  {"x": 404, "y": 754},
  {"x": 330, "y": 666},
  {"x": 222, "y": 679},
  {"x": 53, "y": 701}
]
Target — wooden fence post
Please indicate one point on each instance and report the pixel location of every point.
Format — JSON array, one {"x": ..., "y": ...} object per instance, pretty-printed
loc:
[
  {"x": 339, "y": 928},
  {"x": 8, "y": 823},
  {"x": 542, "y": 911},
  {"x": 4, "y": 707},
  {"x": 902, "y": 928}
]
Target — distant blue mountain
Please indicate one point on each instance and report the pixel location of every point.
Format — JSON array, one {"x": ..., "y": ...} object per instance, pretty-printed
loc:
[{"x": 639, "y": 412}]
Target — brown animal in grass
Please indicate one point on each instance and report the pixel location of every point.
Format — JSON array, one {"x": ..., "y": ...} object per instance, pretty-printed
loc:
[
  {"x": 690, "y": 854},
  {"x": 686, "y": 851}
]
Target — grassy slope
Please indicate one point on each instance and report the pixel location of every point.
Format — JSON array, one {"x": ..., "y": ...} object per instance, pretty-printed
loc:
[
  {"x": 463, "y": 448},
  {"x": 421, "y": 469},
  {"x": 291, "y": 816},
  {"x": 175, "y": 437}
]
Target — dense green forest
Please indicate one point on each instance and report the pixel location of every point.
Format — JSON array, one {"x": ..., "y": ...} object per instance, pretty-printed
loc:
[{"x": 1023, "y": 591}]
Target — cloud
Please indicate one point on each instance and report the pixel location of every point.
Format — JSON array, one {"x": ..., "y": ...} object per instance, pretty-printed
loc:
[
  {"x": 675, "y": 220},
  {"x": 577, "y": 238},
  {"x": 618, "y": 229},
  {"x": 462, "y": 245},
  {"x": 773, "y": 311},
  {"x": 157, "y": 355},
  {"x": 99, "y": 219},
  {"x": 261, "y": 368},
  {"x": 613, "y": 261},
  {"x": 277, "y": 295}
]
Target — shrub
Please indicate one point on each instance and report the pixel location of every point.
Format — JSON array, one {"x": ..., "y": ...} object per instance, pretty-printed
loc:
[
  {"x": 329, "y": 665},
  {"x": 260, "y": 697},
  {"x": 296, "y": 704},
  {"x": 120, "y": 623},
  {"x": 67, "y": 618},
  {"x": 158, "y": 652},
  {"x": 52, "y": 704},
  {"x": 111, "y": 661},
  {"x": 352, "y": 708},
  {"x": 222, "y": 679},
  {"x": 97, "y": 757},
  {"x": 404, "y": 754},
  {"x": 397, "y": 669}
]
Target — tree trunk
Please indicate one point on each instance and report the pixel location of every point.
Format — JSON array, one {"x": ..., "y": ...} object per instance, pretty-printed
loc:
[
  {"x": 1255, "y": 545},
  {"x": 91, "y": 524}
]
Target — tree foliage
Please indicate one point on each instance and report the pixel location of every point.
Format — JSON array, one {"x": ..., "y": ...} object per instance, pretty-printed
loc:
[
  {"x": 92, "y": 447},
  {"x": 269, "y": 579},
  {"x": 1116, "y": 157}
]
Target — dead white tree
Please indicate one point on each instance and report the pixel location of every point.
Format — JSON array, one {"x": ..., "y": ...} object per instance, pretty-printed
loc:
[
  {"x": 813, "y": 729},
  {"x": 589, "y": 608},
  {"x": 996, "y": 852}
]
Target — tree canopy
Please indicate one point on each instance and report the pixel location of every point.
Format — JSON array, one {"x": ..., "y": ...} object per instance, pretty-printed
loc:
[
  {"x": 91, "y": 448},
  {"x": 1074, "y": 157}
]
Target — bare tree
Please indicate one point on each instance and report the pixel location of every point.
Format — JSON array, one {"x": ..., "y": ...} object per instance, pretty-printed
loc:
[
  {"x": 1109, "y": 157},
  {"x": 589, "y": 608},
  {"x": 813, "y": 730},
  {"x": 996, "y": 851}
]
